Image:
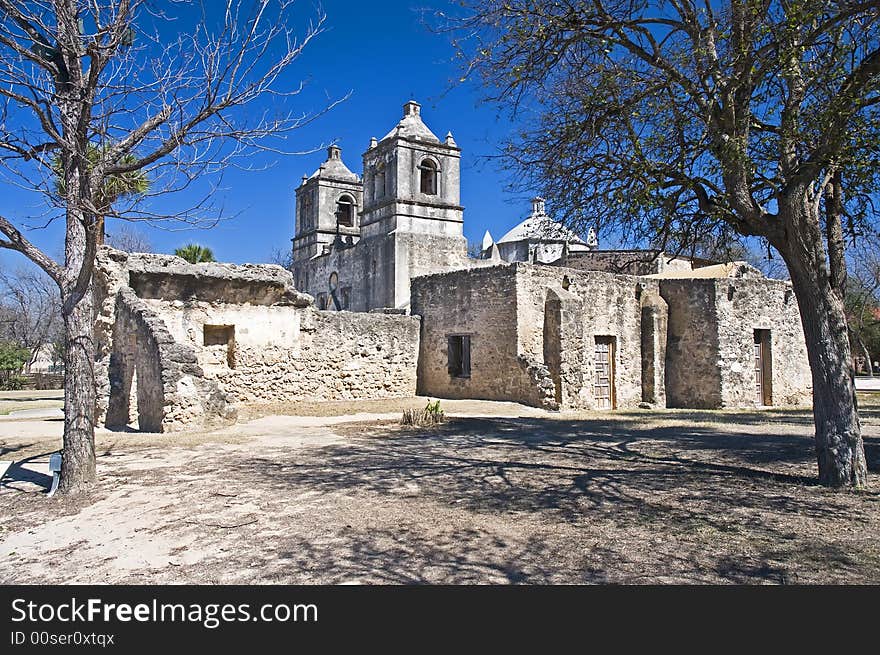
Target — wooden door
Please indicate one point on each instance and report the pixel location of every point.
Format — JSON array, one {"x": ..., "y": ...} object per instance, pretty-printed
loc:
[
  {"x": 603, "y": 386},
  {"x": 762, "y": 367}
]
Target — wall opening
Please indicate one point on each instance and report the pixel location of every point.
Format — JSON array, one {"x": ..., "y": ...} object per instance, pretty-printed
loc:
[
  {"x": 763, "y": 370},
  {"x": 603, "y": 384},
  {"x": 553, "y": 343},
  {"x": 428, "y": 177},
  {"x": 221, "y": 338},
  {"x": 459, "y": 355},
  {"x": 345, "y": 211}
]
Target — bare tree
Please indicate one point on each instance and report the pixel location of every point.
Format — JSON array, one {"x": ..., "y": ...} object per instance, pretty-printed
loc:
[
  {"x": 178, "y": 100},
  {"x": 130, "y": 239},
  {"x": 30, "y": 310},
  {"x": 282, "y": 257},
  {"x": 669, "y": 120},
  {"x": 863, "y": 299}
]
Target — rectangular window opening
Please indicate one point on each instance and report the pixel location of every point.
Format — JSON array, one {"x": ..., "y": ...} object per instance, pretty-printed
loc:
[
  {"x": 459, "y": 354},
  {"x": 221, "y": 335}
]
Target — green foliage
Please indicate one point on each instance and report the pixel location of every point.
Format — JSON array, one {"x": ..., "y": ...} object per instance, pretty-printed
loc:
[
  {"x": 195, "y": 254},
  {"x": 115, "y": 187},
  {"x": 12, "y": 360}
]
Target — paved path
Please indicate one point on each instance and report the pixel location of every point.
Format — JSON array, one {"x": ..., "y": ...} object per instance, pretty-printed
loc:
[{"x": 868, "y": 384}]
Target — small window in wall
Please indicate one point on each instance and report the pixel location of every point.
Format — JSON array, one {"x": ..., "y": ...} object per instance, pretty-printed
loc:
[
  {"x": 345, "y": 212},
  {"x": 428, "y": 177},
  {"x": 221, "y": 335},
  {"x": 322, "y": 301},
  {"x": 345, "y": 298},
  {"x": 459, "y": 354}
]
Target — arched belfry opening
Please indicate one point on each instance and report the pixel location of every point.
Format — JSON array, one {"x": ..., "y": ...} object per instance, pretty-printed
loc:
[
  {"x": 428, "y": 177},
  {"x": 345, "y": 211}
]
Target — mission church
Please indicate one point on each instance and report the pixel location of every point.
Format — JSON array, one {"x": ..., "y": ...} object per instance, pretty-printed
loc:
[{"x": 384, "y": 301}]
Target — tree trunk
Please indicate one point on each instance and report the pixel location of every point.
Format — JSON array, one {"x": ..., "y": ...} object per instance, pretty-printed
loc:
[
  {"x": 869, "y": 367},
  {"x": 839, "y": 448},
  {"x": 78, "y": 454}
]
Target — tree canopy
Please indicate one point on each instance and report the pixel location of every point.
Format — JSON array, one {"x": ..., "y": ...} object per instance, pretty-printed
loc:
[{"x": 668, "y": 121}]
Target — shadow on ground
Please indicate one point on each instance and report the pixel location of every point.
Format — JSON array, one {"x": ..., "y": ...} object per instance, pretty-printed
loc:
[{"x": 619, "y": 503}]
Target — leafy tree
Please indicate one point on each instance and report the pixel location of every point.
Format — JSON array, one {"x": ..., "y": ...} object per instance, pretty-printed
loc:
[
  {"x": 12, "y": 360},
  {"x": 195, "y": 254},
  {"x": 669, "y": 120},
  {"x": 95, "y": 95}
]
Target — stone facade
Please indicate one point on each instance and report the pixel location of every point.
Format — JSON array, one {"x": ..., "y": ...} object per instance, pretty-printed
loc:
[
  {"x": 182, "y": 346},
  {"x": 407, "y": 221},
  {"x": 712, "y": 329},
  {"x": 534, "y": 332},
  {"x": 559, "y": 337}
]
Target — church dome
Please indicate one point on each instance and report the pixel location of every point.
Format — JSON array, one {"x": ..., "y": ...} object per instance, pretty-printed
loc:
[{"x": 538, "y": 226}]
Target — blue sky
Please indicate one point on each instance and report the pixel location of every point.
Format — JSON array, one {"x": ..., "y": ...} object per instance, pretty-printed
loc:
[{"x": 383, "y": 55}]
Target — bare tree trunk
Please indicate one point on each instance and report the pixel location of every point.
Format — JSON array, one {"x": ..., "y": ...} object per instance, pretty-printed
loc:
[
  {"x": 78, "y": 454},
  {"x": 839, "y": 448},
  {"x": 860, "y": 343}
]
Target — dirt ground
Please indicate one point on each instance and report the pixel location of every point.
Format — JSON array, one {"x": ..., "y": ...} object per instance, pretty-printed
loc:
[{"x": 500, "y": 493}]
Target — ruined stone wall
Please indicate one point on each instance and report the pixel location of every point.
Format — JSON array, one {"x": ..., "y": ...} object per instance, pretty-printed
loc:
[
  {"x": 743, "y": 306},
  {"x": 279, "y": 353},
  {"x": 693, "y": 379},
  {"x": 480, "y": 303},
  {"x": 154, "y": 378},
  {"x": 189, "y": 343},
  {"x": 611, "y": 308}
]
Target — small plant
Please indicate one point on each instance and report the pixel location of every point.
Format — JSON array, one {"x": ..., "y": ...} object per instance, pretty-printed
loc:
[{"x": 430, "y": 416}]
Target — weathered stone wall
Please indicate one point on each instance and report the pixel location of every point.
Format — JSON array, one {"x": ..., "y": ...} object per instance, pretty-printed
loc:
[
  {"x": 710, "y": 359},
  {"x": 693, "y": 379},
  {"x": 532, "y": 339},
  {"x": 482, "y": 304},
  {"x": 611, "y": 308},
  {"x": 189, "y": 343},
  {"x": 281, "y": 353},
  {"x": 743, "y": 306},
  {"x": 172, "y": 392}
]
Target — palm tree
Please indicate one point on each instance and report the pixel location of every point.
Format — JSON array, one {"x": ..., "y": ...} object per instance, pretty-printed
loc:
[
  {"x": 195, "y": 254},
  {"x": 114, "y": 188}
]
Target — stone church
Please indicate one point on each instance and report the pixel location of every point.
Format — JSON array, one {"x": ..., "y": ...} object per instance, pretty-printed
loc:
[
  {"x": 384, "y": 301},
  {"x": 360, "y": 241}
]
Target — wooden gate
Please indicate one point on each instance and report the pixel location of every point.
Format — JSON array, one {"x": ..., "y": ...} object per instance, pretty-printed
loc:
[{"x": 603, "y": 386}]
